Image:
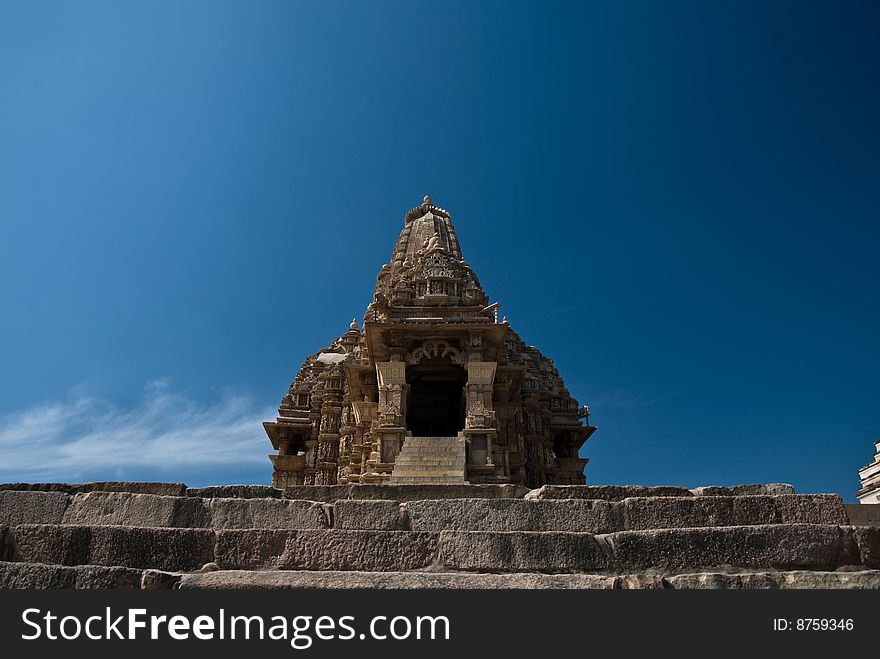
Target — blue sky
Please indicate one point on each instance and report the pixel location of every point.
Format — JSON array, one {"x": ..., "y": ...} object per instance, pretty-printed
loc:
[{"x": 677, "y": 201}]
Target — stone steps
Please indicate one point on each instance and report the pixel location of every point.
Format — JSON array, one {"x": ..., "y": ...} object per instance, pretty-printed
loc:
[
  {"x": 405, "y": 492},
  {"x": 435, "y": 536},
  {"x": 431, "y": 460}
]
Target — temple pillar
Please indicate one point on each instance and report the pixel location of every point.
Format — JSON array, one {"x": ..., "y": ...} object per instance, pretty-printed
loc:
[
  {"x": 389, "y": 426},
  {"x": 480, "y": 423}
]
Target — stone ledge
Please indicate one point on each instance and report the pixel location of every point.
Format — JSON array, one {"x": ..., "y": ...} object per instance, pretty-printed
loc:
[
  {"x": 606, "y": 492},
  {"x": 333, "y": 580},
  {"x": 135, "y": 487},
  {"x": 235, "y": 492},
  {"x": 14, "y": 576},
  {"x": 41, "y": 576},
  {"x": 414, "y": 492},
  {"x": 301, "y": 580},
  {"x": 794, "y": 580},
  {"x": 744, "y": 490},
  {"x": 100, "y": 508},
  {"x": 588, "y": 515}
]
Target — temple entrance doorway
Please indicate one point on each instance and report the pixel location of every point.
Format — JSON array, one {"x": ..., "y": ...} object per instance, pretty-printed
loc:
[{"x": 436, "y": 406}]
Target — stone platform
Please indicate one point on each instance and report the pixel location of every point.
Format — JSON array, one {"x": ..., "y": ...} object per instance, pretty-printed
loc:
[{"x": 137, "y": 535}]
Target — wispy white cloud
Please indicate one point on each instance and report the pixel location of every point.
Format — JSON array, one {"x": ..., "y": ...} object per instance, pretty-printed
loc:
[
  {"x": 625, "y": 399},
  {"x": 165, "y": 432}
]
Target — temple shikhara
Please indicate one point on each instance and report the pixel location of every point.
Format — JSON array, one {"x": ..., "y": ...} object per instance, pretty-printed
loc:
[{"x": 433, "y": 388}]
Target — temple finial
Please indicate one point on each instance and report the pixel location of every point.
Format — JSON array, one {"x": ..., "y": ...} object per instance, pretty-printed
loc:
[
  {"x": 427, "y": 200},
  {"x": 354, "y": 324}
]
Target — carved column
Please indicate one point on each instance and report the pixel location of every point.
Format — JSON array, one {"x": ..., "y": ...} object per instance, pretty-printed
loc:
[
  {"x": 364, "y": 412},
  {"x": 389, "y": 427},
  {"x": 480, "y": 423}
]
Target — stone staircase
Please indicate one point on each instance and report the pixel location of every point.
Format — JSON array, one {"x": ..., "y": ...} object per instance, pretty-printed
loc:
[
  {"x": 120, "y": 535},
  {"x": 430, "y": 460}
]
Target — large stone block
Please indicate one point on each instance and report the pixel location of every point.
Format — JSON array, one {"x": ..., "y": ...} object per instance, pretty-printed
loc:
[
  {"x": 330, "y": 549},
  {"x": 331, "y": 493},
  {"x": 867, "y": 540},
  {"x": 789, "y": 546},
  {"x": 369, "y": 514},
  {"x": 267, "y": 514},
  {"x": 32, "y": 507},
  {"x": 302, "y": 579},
  {"x": 586, "y": 515},
  {"x": 37, "y": 575},
  {"x": 143, "y": 510},
  {"x": 606, "y": 492},
  {"x": 158, "y": 548},
  {"x": 799, "y": 579},
  {"x": 50, "y": 543},
  {"x": 644, "y": 513},
  {"x": 236, "y": 492},
  {"x": 760, "y": 489},
  {"x": 807, "y": 508},
  {"x": 521, "y": 551}
]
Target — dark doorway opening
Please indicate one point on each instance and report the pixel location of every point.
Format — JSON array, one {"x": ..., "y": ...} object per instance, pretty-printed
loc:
[
  {"x": 436, "y": 399},
  {"x": 560, "y": 446}
]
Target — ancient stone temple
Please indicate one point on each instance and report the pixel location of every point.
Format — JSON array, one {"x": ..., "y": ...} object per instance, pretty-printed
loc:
[
  {"x": 434, "y": 388},
  {"x": 403, "y": 449}
]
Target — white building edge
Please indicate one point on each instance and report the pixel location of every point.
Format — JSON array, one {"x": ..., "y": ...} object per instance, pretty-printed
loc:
[{"x": 870, "y": 477}]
